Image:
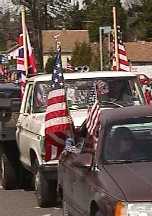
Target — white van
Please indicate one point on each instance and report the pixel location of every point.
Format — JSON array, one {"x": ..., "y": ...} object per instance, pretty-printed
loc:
[{"x": 115, "y": 89}]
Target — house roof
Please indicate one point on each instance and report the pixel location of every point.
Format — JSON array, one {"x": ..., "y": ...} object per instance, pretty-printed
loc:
[
  {"x": 68, "y": 38},
  {"x": 140, "y": 51}
]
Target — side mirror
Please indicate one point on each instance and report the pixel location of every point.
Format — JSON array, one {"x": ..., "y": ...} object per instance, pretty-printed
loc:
[{"x": 83, "y": 160}]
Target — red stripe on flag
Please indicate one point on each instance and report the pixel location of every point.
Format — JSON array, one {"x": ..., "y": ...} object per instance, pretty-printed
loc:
[
  {"x": 122, "y": 52},
  {"x": 123, "y": 62},
  {"x": 54, "y": 100},
  {"x": 54, "y": 128},
  {"x": 19, "y": 61},
  {"x": 58, "y": 113}
]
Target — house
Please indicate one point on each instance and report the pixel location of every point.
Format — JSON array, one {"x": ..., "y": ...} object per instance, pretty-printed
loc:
[
  {"x": 68, "y": 39},
  {"x": 139, "y": 54}
]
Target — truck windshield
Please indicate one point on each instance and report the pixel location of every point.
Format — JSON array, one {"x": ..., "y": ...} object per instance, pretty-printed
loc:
[
  {"x": 129, "y": 141},
  {"x": 111, "y": 92}
]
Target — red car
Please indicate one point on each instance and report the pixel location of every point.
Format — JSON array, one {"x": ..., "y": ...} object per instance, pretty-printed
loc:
[{"x": 116, "y": 178}]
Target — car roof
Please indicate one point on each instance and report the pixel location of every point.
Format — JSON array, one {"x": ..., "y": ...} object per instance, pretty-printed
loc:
[
  {"x": 109, "y": 116},
  {"x": 84, "y": 75},
  {"x": 9, "y": 86}
]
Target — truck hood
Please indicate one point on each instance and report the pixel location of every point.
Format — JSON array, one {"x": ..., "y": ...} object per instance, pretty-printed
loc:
[
  {"x": 38, "y": 120},
  {"x": 133, "y": 179},
  {"x": 78, "y": 116}
]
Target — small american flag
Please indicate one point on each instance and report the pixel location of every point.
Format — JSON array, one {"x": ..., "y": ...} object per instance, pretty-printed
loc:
[
  {"x": 93, "y": 118},
  {"x": 69, "y": 67},
  {"x": 122, "y": 55},
  {"x": 57, "y": 119}
]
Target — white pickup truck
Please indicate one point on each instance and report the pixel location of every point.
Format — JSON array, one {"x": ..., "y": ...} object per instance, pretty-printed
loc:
[{"x": 115, "y": 89}]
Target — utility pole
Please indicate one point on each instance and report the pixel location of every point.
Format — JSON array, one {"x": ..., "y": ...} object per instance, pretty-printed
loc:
[
  {"x": 116, "y": 39},
  {"x": 103, "y": 30},
  {"x": 101, "y": 48},
  {"x": 24, "y": 39}
]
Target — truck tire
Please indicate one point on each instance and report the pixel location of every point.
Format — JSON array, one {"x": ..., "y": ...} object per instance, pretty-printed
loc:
[
  {"x": 45, "y": 190},
  {"x": 65, "y": 208},
  {"x": 8, "y": 174}
]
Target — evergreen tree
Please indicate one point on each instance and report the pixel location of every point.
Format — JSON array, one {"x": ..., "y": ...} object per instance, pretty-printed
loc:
[
  {"x": 81, "y": 55},
  {"x": 43, "y": 13},
  {"x": 50, "y": 63},
  {"x": 99, "y": 13},
  {"x": 142, "y": 24},
  {"x": 74, "y": 18}
]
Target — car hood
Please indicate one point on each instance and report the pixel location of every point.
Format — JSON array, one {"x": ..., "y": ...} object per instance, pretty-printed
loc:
[
  {"x": 133, "y": 179},
  {"x": 38, "y": 120}
]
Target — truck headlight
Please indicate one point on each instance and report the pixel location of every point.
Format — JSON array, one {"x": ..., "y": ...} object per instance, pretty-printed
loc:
[{"x": 133, "y": 209}]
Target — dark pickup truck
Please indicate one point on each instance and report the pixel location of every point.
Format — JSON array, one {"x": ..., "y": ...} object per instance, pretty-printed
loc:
[{"x": 10, "y": 102}]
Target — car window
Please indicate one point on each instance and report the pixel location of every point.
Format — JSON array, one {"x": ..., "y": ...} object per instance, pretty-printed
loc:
[
  {"x": 131, "y": 140},
  {"x": 28, "y": 104},
  {"x": 41, "y": 91}
]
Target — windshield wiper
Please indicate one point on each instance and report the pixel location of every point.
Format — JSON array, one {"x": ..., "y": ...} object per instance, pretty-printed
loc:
[
  {"x": 111, "y": 103},
  {"x": 118, "y": 161},
  {"x": 126, "y": 161}
]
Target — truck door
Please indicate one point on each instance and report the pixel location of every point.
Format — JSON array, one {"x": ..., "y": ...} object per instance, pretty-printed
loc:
[{"x": 24, "y": 126}]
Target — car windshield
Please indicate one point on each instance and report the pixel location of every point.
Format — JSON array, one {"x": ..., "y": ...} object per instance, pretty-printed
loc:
[
  {"x": 130, "y": 141},
  {"x": 111, "y": 92}
]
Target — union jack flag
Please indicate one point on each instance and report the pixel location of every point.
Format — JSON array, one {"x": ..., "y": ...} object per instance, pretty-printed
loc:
[
  {"x": 57, "y": 119},
  {"x": 20, "y": 65},
  {"x": 122, "y": 54},
  {"x": 20, "y": 61}
]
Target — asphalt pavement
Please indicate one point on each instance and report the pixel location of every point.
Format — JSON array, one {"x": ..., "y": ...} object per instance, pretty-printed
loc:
[{"x": 23, "y": 203}]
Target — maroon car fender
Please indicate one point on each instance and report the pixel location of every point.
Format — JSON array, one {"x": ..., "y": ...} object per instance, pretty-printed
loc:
[{"x": 103, "y": 202}]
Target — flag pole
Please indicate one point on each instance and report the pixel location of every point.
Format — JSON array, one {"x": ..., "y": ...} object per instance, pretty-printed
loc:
[
  {"x": 24, "y": 39},
  {"x": 116, "y": 39}
]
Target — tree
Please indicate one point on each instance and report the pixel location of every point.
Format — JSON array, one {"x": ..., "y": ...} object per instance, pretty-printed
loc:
[
  {"x": 142, "y": 24},
  {"x": 74, "y": 18},
  {"x": 42, "y": 13},
  {"x": 81, "y": 55},
  {"x": 50, "y": 63},
  {"x": 99, "y": 13},
  {"x": 8, "y": 29}
]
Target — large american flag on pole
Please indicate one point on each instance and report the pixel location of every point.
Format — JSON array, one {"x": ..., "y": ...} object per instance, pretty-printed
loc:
[
  {"x": 122, "y": 54},
  {"x": 57, "y": 119}
]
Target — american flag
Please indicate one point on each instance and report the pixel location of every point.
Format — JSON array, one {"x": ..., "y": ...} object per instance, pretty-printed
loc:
[
  {"x": 69, "y": 67},
  {"x": 57, "y": 119},
  {"x": 122, "y": 55},
  {"x": 20, "y": 61},
  {"x": 94, "y": 113}
]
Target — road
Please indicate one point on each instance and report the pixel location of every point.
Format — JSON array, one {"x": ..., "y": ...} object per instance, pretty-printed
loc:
[{"x": 23, "y": 203}]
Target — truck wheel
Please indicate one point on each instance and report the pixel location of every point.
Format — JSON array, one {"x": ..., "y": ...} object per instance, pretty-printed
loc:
[
  {"x": 65, "y": 208},
  {"x": 8, "y": 175},
  {"x": 45, "y": 190}
]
